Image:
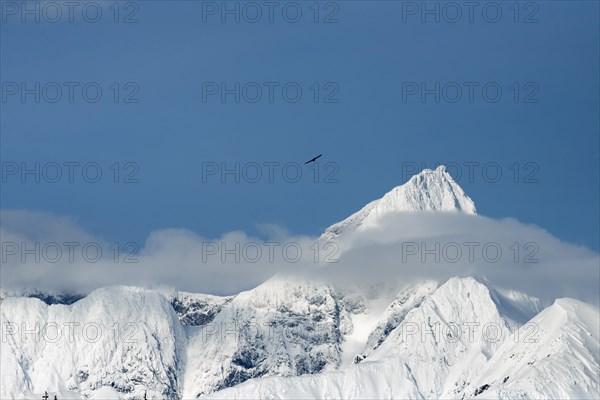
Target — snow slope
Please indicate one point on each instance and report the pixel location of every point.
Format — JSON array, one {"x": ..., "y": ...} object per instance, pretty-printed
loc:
[
  {"x": 430, "y": 190},
  {"x": 408, "y": 298},
  {"x": 556, "y": 355},
  {"x": 369, "y": 380},
  {"x": 443, "y": 340},
  {"x": 125, "y": 338},
  {"x": 431, "y": 362},
  {"x": 287, "y": 337},
  {"x": 282, "y": 327}
]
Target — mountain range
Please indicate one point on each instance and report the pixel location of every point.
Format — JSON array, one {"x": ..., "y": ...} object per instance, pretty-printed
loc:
[{"x": 300, "y": 337}]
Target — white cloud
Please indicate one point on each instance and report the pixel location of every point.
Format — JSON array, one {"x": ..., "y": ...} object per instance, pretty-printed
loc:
[
  {"x": 506, "y": 252},
  {"x": 404, "y": 247}
]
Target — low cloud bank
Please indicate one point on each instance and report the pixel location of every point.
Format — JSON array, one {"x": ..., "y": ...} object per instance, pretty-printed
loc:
[{"x": 40, "y": 250}]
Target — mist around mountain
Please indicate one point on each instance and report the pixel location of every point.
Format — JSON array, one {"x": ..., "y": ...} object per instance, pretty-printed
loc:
[{"x": 422, "y": 298}]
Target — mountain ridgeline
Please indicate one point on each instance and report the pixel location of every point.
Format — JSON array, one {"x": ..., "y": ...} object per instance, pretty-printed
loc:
[{"x": 293, "y": 337}]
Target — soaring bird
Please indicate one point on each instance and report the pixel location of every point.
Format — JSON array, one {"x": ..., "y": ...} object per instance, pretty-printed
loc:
[{"x": 313, "y": 160}]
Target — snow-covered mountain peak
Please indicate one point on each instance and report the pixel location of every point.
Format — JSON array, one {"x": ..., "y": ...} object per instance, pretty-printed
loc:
[
  {"x": 430, "y": 190},
  {"x": 561, "y": 341},
  {"x": 286, "y": 326},
  {"x": 456, "y": 340},
  {"x": 124, "y": 338},
  {"x": 296, "y": 338}
]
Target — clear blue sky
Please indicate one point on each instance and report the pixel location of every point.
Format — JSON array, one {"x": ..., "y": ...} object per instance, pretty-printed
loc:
[{"x": 372, "y": 55}]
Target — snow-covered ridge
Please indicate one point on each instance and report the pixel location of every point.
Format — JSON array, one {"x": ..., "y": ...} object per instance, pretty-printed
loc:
[
  {"x": 283, "y": 328},
  {"x": 125, "y": 338},
  {"x": 294, "y": 337},
  {"x": 47, "y": 296},
  {"x": 555, "y": 355},
  {"x": 430, "y": 190},
  {"x": 407, "y": 299},
  {"x": 193, "y": 309},
  {"x": 286, "y": 339}
]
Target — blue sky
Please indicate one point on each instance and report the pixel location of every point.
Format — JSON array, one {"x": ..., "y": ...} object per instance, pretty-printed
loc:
[{"x": 376, "y": 130}]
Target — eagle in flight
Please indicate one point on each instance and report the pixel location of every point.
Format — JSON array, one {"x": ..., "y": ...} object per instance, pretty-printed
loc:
[{"x": 313, "y": 159}]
